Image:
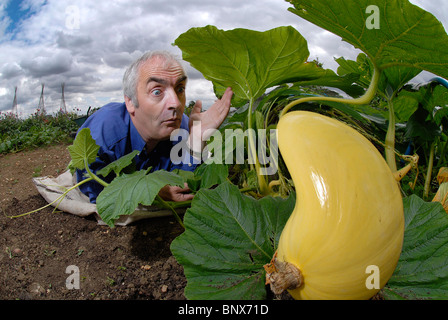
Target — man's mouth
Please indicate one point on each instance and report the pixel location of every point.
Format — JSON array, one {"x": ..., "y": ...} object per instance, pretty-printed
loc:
[{"x": 172, "y": 121}]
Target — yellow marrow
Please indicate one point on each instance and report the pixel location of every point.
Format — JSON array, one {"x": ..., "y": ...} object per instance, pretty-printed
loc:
[{"x": 349, "y": 212}]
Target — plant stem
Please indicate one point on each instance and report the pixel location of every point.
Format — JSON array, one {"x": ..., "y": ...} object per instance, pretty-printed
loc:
[
  {"x": 58, "y": 199},
  {"x": 187, "y": 203},
  {"x": 283, "y": 276},
  {"x": 429, "y": 171},
  {"x": 180, "y": 204},
  {"x": 364, "y": 99},
  {"x": 262, "y": 183},
  {"x": 168, "y": 206},
  {"x": 413, "y": 164},
  {"x": 94, "y": 176},
  {"x": 390, "y": 138}
]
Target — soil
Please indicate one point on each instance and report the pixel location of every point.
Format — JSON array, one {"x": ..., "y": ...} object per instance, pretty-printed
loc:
[{"x": 39, "y": 251}]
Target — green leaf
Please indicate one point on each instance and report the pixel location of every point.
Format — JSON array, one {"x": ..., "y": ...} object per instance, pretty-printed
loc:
[
  {"x": 193, "y": 181},
  {"x": 438, "y": 97},
  {"x": 211, "y": 174},
  {"x": 184, "y": 174},
  {"x": 228, "y": 239},
  {"x": 421, "y": 126},
  {"x": 407, "y": 35},
  {"x": 422, "y": 271},
  {"x": 360, "y": 67},
  {"x": 311, "y": 75},
  {"x": 423, "y": 109},
  {"x": 441, "y": 116},
  {"x": 126, "y": 192},
  {"x": 84, "y": 148},
  {"x": 247, "y": 61},
  {"x": 392, "y": 79},
  {"x": 118, "y": 165},
  {"x": 405, "y": 105}
]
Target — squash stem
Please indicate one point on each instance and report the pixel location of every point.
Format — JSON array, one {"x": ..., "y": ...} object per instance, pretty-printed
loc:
[
  {"x": 390, "y": 138},
  {"x": 429, "y": 171},
  {"x": 282, "y": 276},
  {"x": 94, "y": 176},
  {"x": 166, "y": 205},
  {"x": 413, "y": 164},
  {"x": 57, "y": 200},
  {"x": 262, "y": 183},
  {"x": 364, "y": 99}
]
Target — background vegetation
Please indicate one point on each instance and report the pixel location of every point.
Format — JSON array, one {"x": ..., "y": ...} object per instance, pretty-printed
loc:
[{"x": 39, "y": 129}]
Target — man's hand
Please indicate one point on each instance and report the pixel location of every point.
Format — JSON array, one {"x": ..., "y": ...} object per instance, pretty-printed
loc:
[
  {"x": 175, "y": 193},
  {"x": 209, "y": 119}
]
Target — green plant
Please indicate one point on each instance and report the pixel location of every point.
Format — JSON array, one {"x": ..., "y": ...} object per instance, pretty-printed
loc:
[
  {"x": 241, "y": 59},
  {"x": 37, "y": 171},
  {"x": 393, "y": 62},
  {"x": 128, "y": 190},
  {"x": 232, "y": 230},
  {"x": 426, "y": 127},
  {"x": 18, "y": 134},
  {"x": 111, "y": 282}
]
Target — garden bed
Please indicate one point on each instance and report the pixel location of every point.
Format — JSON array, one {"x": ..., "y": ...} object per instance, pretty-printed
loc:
[{"x": 132, "y": 262}]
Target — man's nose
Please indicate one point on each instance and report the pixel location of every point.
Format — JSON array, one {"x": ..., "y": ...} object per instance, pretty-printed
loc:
[{"x": 173, "y": 101}]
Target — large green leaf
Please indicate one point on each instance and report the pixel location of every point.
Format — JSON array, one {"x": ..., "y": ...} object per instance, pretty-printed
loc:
[
  {"x": 407, "y": 35},
  {"x": 127, "y": 191},
  {"x": 205, "y": 176},
  {"x": 312, "y": 75},
  {"x": 391, "y": 80},
  {"x": 432, "y": 98},
  {"x": 211, "y": 174},
  {"x": 84, "y": 149},
  {"x": 118, "y": 165},
  {"x": 422, "y": 271},
  {"x": 405, "y": 105},
  {"x": 246, "y": 60},
  {"x": 228, "y": 239}
]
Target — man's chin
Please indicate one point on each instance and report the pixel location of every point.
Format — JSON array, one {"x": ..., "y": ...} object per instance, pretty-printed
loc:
[{"x": 167, "y": 131}]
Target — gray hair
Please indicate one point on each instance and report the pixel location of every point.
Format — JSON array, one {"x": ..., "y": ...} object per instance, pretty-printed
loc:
[{"x": 130, "y": 78}]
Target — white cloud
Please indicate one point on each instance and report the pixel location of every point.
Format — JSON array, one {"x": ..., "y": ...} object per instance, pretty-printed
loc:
[
  {"x": 88, "y": 44},
  {"x": 11, "y": 70},
  {"x": 47, "y": 63}
]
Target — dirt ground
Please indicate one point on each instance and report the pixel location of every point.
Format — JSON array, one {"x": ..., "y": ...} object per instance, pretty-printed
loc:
[{"x": 132, "y": 262}]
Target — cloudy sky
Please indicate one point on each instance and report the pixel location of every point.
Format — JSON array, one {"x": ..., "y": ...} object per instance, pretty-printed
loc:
[{"x": 88, "y": 44}]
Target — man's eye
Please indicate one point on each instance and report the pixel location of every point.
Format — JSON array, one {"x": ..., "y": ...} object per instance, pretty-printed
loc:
[
  {"x": 181, "y": 90},
  {"x": 157, "y": 92}
]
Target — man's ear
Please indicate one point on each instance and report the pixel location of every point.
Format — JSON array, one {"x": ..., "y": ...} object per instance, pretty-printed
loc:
[{"x": 129, "y": 105}]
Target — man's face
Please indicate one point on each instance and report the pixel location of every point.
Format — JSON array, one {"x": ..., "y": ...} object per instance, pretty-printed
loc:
[{"x": 161, "y": 99}]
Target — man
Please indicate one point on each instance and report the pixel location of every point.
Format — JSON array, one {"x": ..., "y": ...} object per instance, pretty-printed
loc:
[{"x": 154, "y": 94}]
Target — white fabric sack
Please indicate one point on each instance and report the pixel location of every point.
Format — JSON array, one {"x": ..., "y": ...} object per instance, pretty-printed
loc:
[{"x": 77, "y": 203}]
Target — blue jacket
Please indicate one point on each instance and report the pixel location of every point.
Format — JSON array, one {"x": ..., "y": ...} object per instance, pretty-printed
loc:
[{"x": 112, "y": 129}]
